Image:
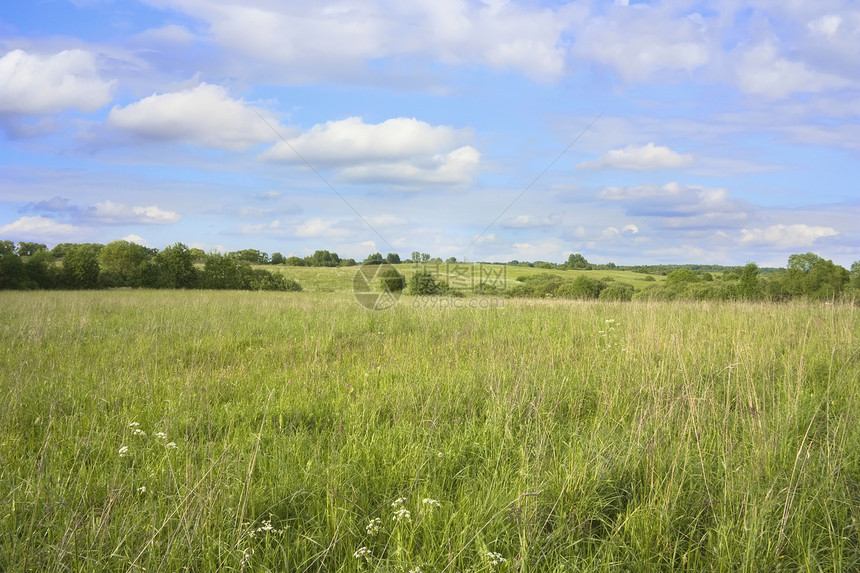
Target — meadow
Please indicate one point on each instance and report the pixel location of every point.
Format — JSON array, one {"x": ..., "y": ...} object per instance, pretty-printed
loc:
[{"x": 259, "y": 431}]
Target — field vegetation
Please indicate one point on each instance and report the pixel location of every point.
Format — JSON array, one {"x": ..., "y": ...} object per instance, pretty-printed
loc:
[{"x": 201, "y": 430}]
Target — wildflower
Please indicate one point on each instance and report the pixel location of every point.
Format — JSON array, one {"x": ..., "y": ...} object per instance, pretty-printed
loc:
[
  {"x": 440, "y": 455},
  {"x": 171, "y": 446},
  {"x": 133, "y": 424},
  {"x": 431, "y": 502},
  {"x": 139, "y": 432},
  {"x": 161, "y": 435},
  {"x": 398, "y": 502},
  {"x": 402, "y": 514},
  {"x": 374, "y": 526},
  {"x": 607, "y": 321},
  {"x": 123, "y": 451},
  {"x": 363, "y": 552},
  {"x": 496, "y": 558},
  {"x": 142, "y": 489},
  {"x": 416, "y": 570}
]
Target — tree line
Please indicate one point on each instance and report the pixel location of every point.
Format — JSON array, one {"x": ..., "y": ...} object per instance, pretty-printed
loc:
[{"x": 126, "y": 264}]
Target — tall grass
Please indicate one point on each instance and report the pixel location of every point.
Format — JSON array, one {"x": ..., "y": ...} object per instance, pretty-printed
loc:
[{"x": 555, "y": 436}]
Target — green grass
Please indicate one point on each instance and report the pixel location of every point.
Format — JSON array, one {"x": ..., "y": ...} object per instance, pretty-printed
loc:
[
  {"x": 339, "y": 279},
  {"x": 678, "y": 437}
]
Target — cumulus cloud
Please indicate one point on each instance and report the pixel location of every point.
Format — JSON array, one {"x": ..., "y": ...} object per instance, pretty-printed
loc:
[
  {"x": 786, "y": 236},
  {"x": 762, "y": 71},
  {"x": 113, "y": 212},
  {"x": 680, "y": 206},
  {"x": 41, "y": 229},
  {"x": 640, "y": 41},
  {"x": 318, "y": 39},
  {"x": 401, "y": 151},
  {"x": 640, "y": 158},
  {"x": 204, "y": 115},
  {"x": 531, "y": 221},
  {"x": 36, "y": 84},
  {"x": 132, "y": 238}
]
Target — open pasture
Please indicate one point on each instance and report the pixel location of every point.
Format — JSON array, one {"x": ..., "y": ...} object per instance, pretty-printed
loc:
[{"x": 248, "y": 431}]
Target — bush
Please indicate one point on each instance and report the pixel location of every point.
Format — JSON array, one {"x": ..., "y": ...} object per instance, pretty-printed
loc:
[
  {"x": 617, "y": 292},
  {"x": 581, "y": 287},
  {"x": 422, "y": 282},
  {"x": 392, "y": 281}
]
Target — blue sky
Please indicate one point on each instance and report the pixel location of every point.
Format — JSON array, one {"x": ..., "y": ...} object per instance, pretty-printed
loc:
[{"x": 720, "y": 132}]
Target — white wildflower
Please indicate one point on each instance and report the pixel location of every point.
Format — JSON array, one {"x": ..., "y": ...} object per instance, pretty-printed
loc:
[
  {"x": 142, "y": 489},
  {"x": 139, "y": 432},
  {"x": 133, "y": 424},
  {"x": 402, "y": 514},
  {"x": 374, "y": 526},
  {"x": 161, "y": 435},
  {"x": 171, "y": 446},
  {"x": 398, "y": 502},
  {"x": 363, "y": 553},
  {"x": 496, "y": 558},
  {"x": 431, "y": 502},
  {"x": 123, "y": 451},
  {"x": 440, "y": 455}
]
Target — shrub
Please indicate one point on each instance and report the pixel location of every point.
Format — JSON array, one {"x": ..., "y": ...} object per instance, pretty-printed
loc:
[
  {"x": 617, "y": 292},
  {"x": 392, "y": 281},
  {"x": 422, "y": 282}
]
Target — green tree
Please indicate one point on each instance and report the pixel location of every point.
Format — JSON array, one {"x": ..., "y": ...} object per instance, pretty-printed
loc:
[
  {"x": 812, "y": 276},
  {"x": 122, "y": 263},
  {"x": 324, "y": 259},
  {"x": 577, "y": 262},
  {"x": 855, "y": 275},
  {"x": 374, "y": 259},
  {"x": 40, "y": 270},
  {"x": 81, "y": 266},
  {"x": 416, "y": 257},
  {"x": 277, "y": 259},
  {"x": 221, "y": 272},
  {"x": 253, "y": 256},
  {"x": 176, "y": 267},
  {"x": 749, "y": 286},
  {"x": 29, "y": 249},
  {"x": 12, "y": 273},
  {"x": 392, "y": 259}
]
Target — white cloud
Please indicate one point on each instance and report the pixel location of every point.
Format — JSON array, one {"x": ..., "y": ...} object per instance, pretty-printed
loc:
[
  {"x": 302, "y": 40},
  {"x": 641, "y": 41},
  {"x": 35, "y": 84},
  {"x": 135, "y": 239},
  {"x": 762, "y": 71},
  {"x": 827, "y": 25},
  {"x": 40, "y": 228},
  {"x": 531, "y": 221},
  {"x": 319, "y": 228},
  {"x": 630, "y": 229},
  {"x": 785, "y": 236},
  {"x": 680, "y": 206},
  {"x": 113, "y": 212},
  {"x": 401, "y": 151},
  {"x": 351, "y": 141},
  {"x": 546, "y": 251},
  {"x": 640, "y": 158},
  {"x": 203, "y": 115}
]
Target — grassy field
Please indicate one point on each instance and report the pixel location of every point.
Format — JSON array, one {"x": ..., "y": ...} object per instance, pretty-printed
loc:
[
  {"x": 247, "y": 431},
  {"x": 339, "y": 279}
]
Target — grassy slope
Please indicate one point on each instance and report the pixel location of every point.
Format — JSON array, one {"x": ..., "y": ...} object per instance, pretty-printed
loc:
[
  {"x": 679, "y": 437},
  {"x": 339, "y": 279}
]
